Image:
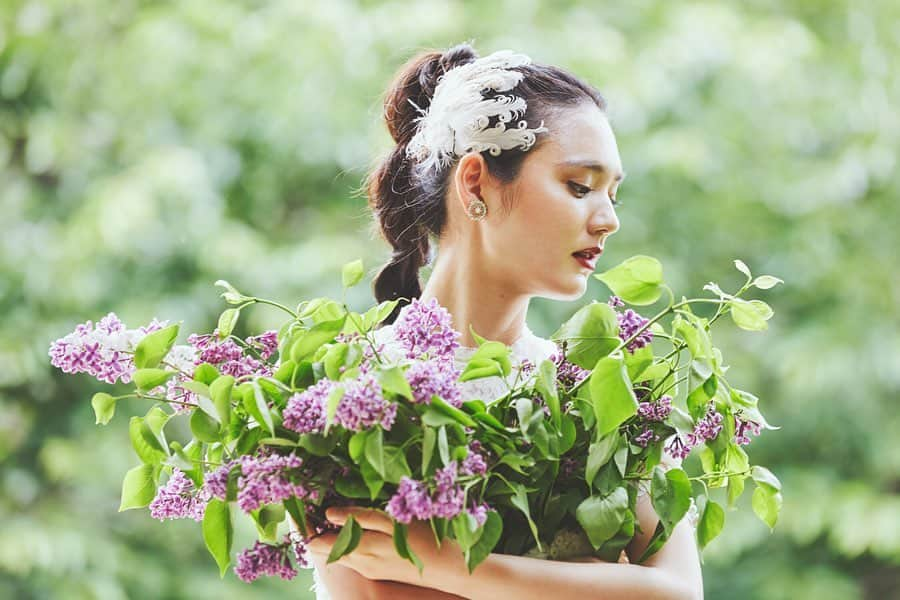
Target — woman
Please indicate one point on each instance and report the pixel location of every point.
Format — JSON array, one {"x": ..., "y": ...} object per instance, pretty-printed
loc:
[{"x": 512, "y": 207}]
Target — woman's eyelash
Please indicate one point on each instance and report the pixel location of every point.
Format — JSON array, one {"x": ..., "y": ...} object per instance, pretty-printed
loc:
[{"x": 582, "y": 191}]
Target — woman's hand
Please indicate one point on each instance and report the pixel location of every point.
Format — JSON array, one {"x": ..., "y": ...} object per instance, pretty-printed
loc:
[
  {"x": 376, "y": 558},
  {"x": 343, "y": 583}
]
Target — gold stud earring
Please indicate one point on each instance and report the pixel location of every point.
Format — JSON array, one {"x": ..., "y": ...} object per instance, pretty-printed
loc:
[{"x": 476, "y": 209}]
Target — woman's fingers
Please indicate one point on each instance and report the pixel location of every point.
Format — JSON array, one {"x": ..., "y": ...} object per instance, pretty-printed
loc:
[{"x": 368, "y": 518}]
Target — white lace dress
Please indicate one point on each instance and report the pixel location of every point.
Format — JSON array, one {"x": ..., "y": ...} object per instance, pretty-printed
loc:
[{"x": 528, "y": 346}]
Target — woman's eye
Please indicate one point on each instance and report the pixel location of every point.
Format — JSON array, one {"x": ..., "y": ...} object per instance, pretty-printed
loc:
[{"x": 580, "y": 190}]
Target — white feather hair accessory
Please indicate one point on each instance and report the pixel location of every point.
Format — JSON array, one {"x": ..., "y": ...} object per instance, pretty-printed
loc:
[{"x": 457, "y": 119}]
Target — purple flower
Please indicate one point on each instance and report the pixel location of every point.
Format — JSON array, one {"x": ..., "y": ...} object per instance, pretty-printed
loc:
[
  {"x": 479, "y": 511},
  {"x": 216, "y": 482},
  {"x": 629, "y": 323},
  {"x": 226, "y": 355},
  {"x": 646, "y": 437},
  {"x": 656, "y": 411},
  {"x": 567, "y": 373},
  {"x": 426, "y": 327},
  {"x": 434, "y": 377},
  {"x": 449, "y": 497},
  {"x": 677, "y": 448},
  {"x": 742, "y": 428},
  {"x": 411, "y": 501},
  {"x": 104, "y": 352},
  {"x": 265, "y": 559},
  {"x": 176, "y": 499},
  {"x": 615, "y": 301},
  {"x": 268, "y": 480},
  {"x": 305, "y": 412},
  {"x": 364, "y": 405},
  {"x": 708, "y": 427},
  {"x": 266, "y": 343},
  {"x": 474, "y": 463}
]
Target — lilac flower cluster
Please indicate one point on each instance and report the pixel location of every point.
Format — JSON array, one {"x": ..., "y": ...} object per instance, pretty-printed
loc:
[
  {"x": 646, "y": 437},
  {"x": 707, "y": 428},
  {"x": 104, "y": 352},
  {"x": 177, "y": 499},
  {"x": 568, "y": 374},
  {"x": 305, "y": 412},
  {"x": 474, "y": 463},
  {"x": 742, "y": 428},
  {"x": 266, "y": 559},
  {"x": 655, "y": 411},
  {"x": 449, "y": 498},
  {"x": 629, "y": 323},
  {"x": 479, "y": 511},
  {"x": 434, "y": 377},
  {"x": 268, "y": 480},
  {"x": 216, "y": 482},
  {"x": 364, "y": 405},
  {"x": 615, "y": 302},
  {"x": 227, "y": 356},
  {"x": 265, "y": 343},
  {"x": 426, "y": 327},
  {"x": 413, "y": 501}
]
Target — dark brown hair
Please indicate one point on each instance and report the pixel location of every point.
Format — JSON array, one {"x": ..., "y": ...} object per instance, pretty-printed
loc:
[{"x": 409, "y": 207}]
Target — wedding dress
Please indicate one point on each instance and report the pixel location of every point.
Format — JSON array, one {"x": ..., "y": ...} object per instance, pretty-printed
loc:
[{"x": 528, "y": 346}]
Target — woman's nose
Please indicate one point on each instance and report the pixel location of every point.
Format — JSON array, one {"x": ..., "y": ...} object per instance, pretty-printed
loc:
[{"x": 604, "y": 222}]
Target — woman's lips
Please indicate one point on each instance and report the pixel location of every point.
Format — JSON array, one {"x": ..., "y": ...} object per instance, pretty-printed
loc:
[{"x": 584, "y": 261}]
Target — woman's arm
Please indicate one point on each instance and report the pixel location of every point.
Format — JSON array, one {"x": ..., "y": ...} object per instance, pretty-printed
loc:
[
  {"x": 344, "y": 583},
  {"x": 673, "y": 573}
]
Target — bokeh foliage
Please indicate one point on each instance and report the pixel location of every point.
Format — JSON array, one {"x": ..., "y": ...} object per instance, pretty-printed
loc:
[{"x": 150, "y": 148}]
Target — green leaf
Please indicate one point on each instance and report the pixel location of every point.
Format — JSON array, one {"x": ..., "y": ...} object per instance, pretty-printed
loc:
[
  {"x": 611, "y": 393},
  {"x": 138, "y": 487},
  {"x": 148, "y": 451},
  {"x": 334, "y": 399},
  {"x": 347, "y": 540},
  {"x": 204, "y": 427},
  {"x": 154, "y": 346},
  {"x": 519, "y": 499},
  {"x": 742, "y": 267},
  {"x": 104, "y": 407},
  {"x": 220, "y": 392},
  {"x": 765, "y": 282},
  {"x": 357, "y": 444},
  {"x": 227, "y": 320},
  {"x": 147, "y": 379},
  {"x": 546, "y": 387},
  {"x": 395, "y": 465},
  {"x": 401, "y": 545},
  {"x": 315, "y": 337},
  {"x": 231, "y": 295},
  {"x": 602, "y": 516},
  {"x": 637, "y": 280},
  {"x": 373, "y": 480},
  {"x": 255, "y": 404},
  {"x": 763, "y": 476},
  {"x": 599, "y": 454},
  {"x": 670, "y": 494},
  {"x": 750, "y": 315},
  {"x": 375, "y": 450},
  {"x": 267, "y": 519},
  {"x": 393, "y": 381},
  {"x": 352, "y": 273},
  {"x": 429, "y": 438},
  {"x": 452, "y": 412},
  {"x": 443, "y": 445},
  {"x": 711, "y": 523},
  {"x": 590, "y": 334},
  {"x": 465, "y": 530},
  {"x": 205, "y": 373},
  {"x": 766, "y": 504},
  {"x": 218, "y": 533},
  {"x": 490, "y": 535}
]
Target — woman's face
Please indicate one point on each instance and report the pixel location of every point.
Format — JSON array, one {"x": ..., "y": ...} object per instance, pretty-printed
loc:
[{"x": 562, "y": 202}]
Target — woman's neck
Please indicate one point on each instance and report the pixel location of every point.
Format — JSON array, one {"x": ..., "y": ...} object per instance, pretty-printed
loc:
[{"x": 475, "y": 298}]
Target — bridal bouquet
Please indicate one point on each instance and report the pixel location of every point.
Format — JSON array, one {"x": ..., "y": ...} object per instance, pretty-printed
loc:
[{"x": 287, "y": 423}]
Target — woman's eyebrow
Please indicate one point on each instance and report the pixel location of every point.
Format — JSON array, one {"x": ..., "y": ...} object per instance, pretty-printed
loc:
[{"x": 593, "y": 166}]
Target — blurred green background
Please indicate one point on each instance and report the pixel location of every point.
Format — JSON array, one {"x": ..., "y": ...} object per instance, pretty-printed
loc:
[{"x": 150, "y": 148}]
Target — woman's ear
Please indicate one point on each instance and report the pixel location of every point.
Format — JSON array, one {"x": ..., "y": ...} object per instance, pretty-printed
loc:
[{"x": 472, "y": 179}]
